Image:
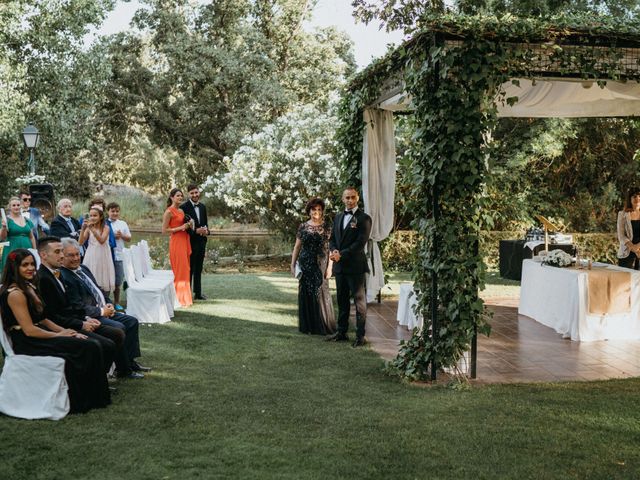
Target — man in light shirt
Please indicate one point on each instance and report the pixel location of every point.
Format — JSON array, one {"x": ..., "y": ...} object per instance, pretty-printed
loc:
[{"x": 122, "y": 234}]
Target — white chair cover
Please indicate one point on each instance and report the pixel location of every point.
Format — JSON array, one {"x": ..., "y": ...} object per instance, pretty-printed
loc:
[
  {"x": 162, "y": 282},
  {"x": 146, "y": 303},
  {"x": 32, "y": 387},
  {"x": 147, "y": 267}
]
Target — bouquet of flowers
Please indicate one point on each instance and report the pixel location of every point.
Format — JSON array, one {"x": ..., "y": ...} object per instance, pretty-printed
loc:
[{"x": 557, "y": 258}]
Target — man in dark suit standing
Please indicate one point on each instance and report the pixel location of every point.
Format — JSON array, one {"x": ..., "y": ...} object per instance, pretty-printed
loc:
[
  {"x": 57, "y": 309},
  {"x": 349, "y": 236},
  {"x": 198, "y": 237},
  {"x": 64, "y": 225},
  {"x": 83, "y": 293}
]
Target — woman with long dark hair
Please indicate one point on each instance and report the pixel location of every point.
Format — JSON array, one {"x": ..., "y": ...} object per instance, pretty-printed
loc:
[
  {"x": 174, "y": 224},
  {"x": 32, "y": 334},
  {"x": 628, "y": 228}
]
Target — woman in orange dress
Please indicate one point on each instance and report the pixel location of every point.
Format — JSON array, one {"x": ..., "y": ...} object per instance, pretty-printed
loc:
[{"x": 179, "y": 246}]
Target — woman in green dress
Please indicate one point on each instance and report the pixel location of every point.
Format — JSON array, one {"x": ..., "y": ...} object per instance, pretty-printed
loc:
[{"x": 17, "y": 230}]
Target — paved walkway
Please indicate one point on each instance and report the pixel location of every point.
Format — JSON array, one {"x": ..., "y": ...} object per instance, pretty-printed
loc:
[{"x": 520, "y": 349}]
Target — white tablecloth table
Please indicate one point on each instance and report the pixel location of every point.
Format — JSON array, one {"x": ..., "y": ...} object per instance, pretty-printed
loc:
[
  {"x": 406, "y": 315},
  {"x": 558, "y": 298}
]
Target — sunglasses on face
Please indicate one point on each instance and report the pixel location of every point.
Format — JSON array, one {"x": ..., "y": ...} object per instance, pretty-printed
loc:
[{"x": 26, "y": 199}]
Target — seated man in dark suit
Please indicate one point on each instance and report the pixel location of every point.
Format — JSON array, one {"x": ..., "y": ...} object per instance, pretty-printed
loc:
[
  {"x": 57, "y": 309},
  {"x": 64, "y": 225},
  {"x": 83, "y": 293}
]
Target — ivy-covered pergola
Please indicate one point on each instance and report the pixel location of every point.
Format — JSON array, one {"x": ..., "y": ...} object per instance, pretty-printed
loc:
[{"x": 457, "y": 76}]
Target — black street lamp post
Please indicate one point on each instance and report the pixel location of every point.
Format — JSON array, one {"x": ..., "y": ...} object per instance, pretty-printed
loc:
[{"x": 31, "y": 137}]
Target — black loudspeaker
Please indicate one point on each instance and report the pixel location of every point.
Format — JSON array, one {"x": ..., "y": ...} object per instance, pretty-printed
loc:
[
  {"x": 512, "y": 252},
  {"x": 511, "y": 255},
  {"x": 42, "y": 199}
]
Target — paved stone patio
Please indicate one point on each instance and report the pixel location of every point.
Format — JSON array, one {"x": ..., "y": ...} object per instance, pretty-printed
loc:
[{"x": 519, "y": 349}]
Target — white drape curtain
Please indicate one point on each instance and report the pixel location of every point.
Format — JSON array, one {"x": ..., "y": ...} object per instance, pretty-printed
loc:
[
  {"x": 571, "y": 99},
  {"x": 560, "y": 98},
  {"x": 378, "y": 188}
]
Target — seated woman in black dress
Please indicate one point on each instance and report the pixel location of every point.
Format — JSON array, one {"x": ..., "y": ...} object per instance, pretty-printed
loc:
[
  {"x": 628, "y": 228},
  {"x": 31, "y": 334},
  {"x": 311, "y": 251}
]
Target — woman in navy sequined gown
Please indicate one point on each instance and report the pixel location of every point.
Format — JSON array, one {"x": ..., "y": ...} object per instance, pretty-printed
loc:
[{"x": 311, "y": 252}]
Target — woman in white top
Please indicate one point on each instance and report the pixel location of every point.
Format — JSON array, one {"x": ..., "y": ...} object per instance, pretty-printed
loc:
[{"x": 628, "y": 229}]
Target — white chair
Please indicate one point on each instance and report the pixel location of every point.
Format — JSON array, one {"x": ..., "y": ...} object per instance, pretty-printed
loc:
[
  {"x": 32, "y": 387},
  {"x": 147, "y": 303},
  {"x": 162, "y": 282},
  {"x": 149, "y": 272},
  {"x": 147, "y": 268}
]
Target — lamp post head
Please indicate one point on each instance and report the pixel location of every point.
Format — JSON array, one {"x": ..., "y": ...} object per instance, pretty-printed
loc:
[{"x": 31, "y": 136}]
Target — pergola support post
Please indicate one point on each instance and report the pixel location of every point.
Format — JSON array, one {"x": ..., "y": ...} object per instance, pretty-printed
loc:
[
  {"x": 434, "y": 284},
  {"x": 474, "y": 339}
]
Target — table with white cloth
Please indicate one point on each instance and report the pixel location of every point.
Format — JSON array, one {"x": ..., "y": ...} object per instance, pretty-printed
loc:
[
  {"x": 559, "y": 298},
  {"x": 406, "y": 315}
]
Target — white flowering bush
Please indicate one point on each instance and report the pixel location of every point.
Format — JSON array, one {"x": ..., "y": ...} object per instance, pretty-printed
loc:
[
  {"x": 275, "y": 171},
  {"x": 30, "y": 179},
  {"x": 557, "y": 258}
]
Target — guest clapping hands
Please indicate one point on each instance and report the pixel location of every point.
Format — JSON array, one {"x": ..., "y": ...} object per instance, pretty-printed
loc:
[{"x": 98, "y": 257}]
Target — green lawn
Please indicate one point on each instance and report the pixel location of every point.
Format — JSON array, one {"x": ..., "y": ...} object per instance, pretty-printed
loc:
[{"x": 237, "y": 392}]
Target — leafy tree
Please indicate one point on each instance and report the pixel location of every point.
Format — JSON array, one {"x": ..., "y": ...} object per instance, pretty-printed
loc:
[
  {"x": 406, "y": 14},
  {"x": 49, "y": 77},
  {"x": 199, "y": 78},
  {"x": 575, "y": 171}
]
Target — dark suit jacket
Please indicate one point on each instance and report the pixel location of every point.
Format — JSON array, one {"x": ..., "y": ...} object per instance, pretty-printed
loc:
[
  {"x": 60, "y": 229},
  {"x": 187, "y": 207},
  {"x": 79, "y": 295},
  {"x": 56, "y": 307},
  {"x": 350, "y": 242}
]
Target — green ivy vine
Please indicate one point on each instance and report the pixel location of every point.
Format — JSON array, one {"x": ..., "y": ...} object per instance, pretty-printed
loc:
[{"x": 452, "y": 88}]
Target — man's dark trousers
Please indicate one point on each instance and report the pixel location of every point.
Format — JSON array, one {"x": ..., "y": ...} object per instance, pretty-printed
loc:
[
  {"x": 348, "y": 286},
  {"x": 198, "y": 248}
]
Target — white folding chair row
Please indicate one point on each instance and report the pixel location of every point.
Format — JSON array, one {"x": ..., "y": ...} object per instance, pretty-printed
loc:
[
  {"x": 147, "y": 268},
  {"x": 163, "y": 282},
  {"x": 146, "y": 301},
  {"x": 149, "y": 271},
  {"x": 32, "y": 387}
]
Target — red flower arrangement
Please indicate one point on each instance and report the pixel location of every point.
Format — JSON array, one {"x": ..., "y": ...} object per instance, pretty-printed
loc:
[{"x": 12, "y": 256}]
